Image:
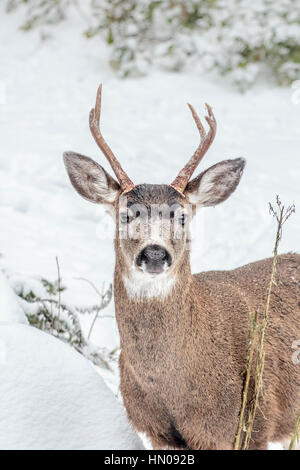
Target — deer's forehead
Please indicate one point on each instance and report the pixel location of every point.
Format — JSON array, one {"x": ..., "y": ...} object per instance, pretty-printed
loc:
[{"x": 152, "y": 194}]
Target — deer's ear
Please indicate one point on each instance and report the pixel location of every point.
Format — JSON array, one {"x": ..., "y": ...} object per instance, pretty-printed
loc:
[
  {"x": 90, "y": 180},
  {"x": 215, "y": 184}
]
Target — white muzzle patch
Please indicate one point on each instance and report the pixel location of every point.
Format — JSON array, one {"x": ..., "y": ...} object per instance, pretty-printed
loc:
[{"x": 142, "y": 285}]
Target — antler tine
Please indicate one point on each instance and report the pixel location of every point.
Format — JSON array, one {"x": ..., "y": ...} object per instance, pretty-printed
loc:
[
  {"x": 206, "y": 139},
  {"x": 94, "y": 120}
]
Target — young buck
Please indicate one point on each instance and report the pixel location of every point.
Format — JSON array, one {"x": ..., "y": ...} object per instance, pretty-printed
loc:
[{"x": 184, "y": 337}]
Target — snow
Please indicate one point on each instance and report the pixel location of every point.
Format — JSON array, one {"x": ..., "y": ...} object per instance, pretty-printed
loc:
[
  {"x": 52, "y": 398},
  {"x": 10, "y": 310},
  {"x": 275, "y": 446}
]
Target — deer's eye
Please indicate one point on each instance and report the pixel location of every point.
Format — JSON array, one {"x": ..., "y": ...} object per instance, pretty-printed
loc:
[{"x": 124, "y": 218}]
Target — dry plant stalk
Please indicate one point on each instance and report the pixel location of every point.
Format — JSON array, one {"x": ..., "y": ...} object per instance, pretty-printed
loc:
[
  {"x": 247, "y": 381},
  {"x": 257, "y": 335},
  {"x": 296, "y": 435}
]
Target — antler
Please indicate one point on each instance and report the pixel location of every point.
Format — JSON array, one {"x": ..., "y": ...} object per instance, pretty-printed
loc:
[
  {"x": 94, "y": 119},
  {"x": 184, "y": 175}
]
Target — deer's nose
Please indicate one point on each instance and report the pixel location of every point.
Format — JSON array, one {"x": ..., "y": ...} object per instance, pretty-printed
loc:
[{"x": 154, "y": 258}]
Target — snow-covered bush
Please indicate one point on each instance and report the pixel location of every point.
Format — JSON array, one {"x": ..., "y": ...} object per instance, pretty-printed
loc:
[
  {"x": 143, "y": 33},
  {"x": 240, "y": 38},
  {"x": 41, "y": 11},
  {"x": 51, "y": 396},
  {"x": 249, "y": 36}
]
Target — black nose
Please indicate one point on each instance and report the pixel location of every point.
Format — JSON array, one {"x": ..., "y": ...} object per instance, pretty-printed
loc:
[{"x": 154, "y": 258}]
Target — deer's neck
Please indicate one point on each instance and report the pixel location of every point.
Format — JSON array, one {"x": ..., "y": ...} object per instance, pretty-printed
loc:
[{"x": 151, "y": 328}]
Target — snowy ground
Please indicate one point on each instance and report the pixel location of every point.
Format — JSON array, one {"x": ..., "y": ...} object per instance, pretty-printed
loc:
[
  {"x": 51, "y": 396},
  {"x": 46, "y": 91}
]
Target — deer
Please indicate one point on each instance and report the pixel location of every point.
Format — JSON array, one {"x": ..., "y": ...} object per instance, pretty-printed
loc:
[{"x": 184, "y": 337}]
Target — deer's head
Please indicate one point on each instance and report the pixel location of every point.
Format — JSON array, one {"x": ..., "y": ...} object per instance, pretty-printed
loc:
[{"x": 152, "y": 221}]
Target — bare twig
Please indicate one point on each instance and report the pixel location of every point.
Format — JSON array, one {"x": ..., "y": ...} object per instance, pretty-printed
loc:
[
  {"x": 281, "y": 215},
  {"x": 247, "y": 381},
  {"x": 257, "y": 335},
  {"x": 90, "y": 283},
  {"x": 105, "y": 299}
]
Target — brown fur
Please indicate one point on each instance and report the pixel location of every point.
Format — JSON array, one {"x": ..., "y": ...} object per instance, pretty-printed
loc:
[{"x": 182, "y": 359}]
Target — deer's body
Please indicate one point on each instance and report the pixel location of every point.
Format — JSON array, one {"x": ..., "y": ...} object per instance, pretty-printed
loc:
[
  {"x": 182, "y": 359},
  {"x": 184, "y": 338}
]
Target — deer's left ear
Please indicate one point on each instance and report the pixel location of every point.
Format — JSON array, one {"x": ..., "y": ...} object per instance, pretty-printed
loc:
[
  {"x": 90, "y": 180},
  {"x": 215, "y": 184}
]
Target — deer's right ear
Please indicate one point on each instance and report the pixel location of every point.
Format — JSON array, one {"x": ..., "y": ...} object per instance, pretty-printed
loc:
[
  {"x": 90, "y": 180},
  {"x": 215, "y": 184}
]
